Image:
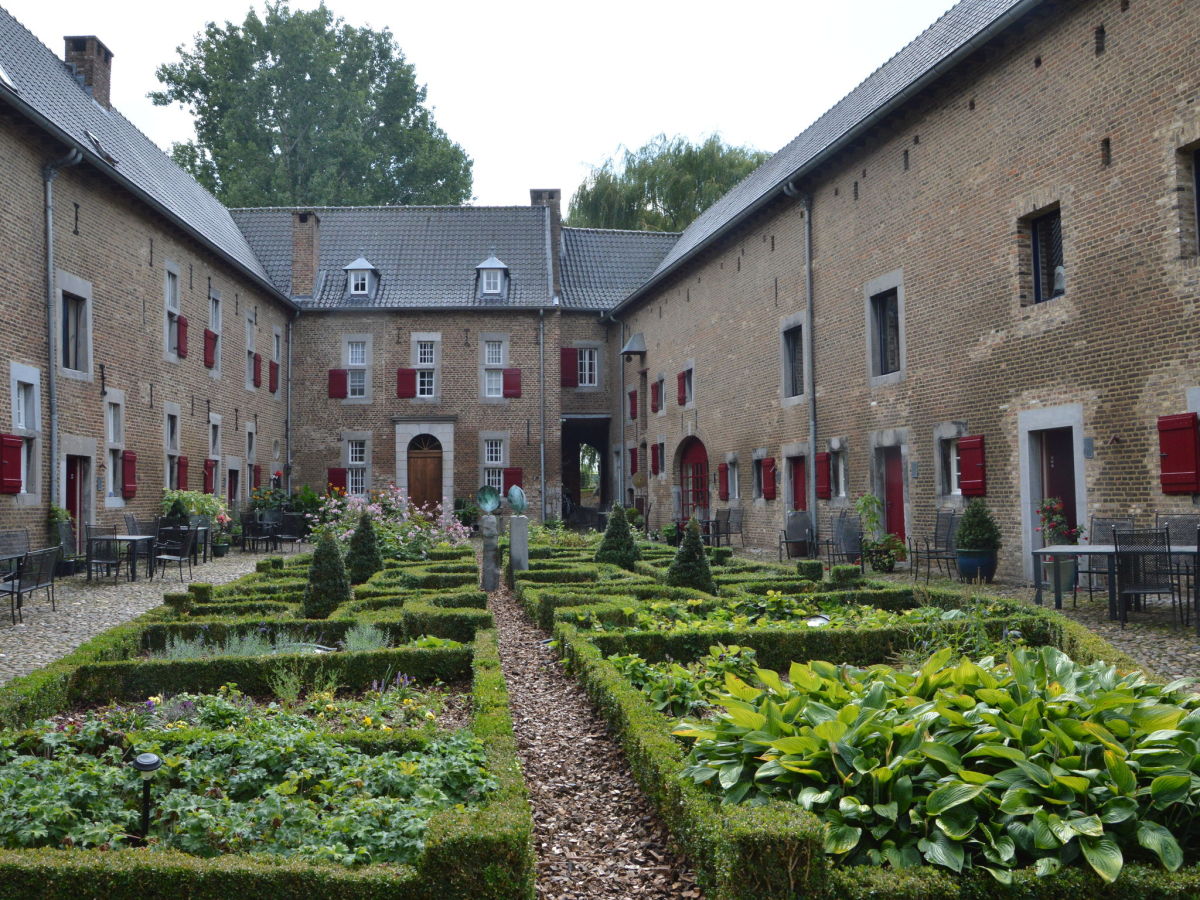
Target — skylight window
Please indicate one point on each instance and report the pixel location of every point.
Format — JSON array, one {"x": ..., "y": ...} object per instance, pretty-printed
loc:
[
  {"x": 6, "y": 81},
  {"x": 104, "y": 154}
]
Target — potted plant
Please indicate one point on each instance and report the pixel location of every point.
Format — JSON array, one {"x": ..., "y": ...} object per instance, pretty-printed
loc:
[
  {"x": 1055, "y": 529},
  {"x": 220, "y": 538},
  {"x": 977, "y": 543},
  {"x": 880, "y": 551}
]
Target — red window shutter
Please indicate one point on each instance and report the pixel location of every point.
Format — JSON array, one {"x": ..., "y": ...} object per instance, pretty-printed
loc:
[
  {"x": 181, "y": 465},
  {"x": 633, "y": 404},
  {"x": 1179, "y": 452},
  {"x": 257, "y": 482},
  {"x": 336, "y": 479},
  {"x": 768, "y": 478},
  {"x": 210, "y": 349},
  {"x": 681, "y": 388},
  {"x": 972, "y": 468},
  {"x": 633, "y": 461},
  {"x": 406, "y": 383},
  {"x": 337, "y": 383},
  {"x": 654, "y": 464},
  {"x": 273, "y": 376},
  {"x": 569, "y": 362},
  {"x": 824, "y": 489},
  {"x": 512, "y": 475},
  {"x": 723, "y": 481},
  {"x": 654, "y": 398},
  {"x": 12, "y": 448},
  {"x": 258, "y": 370},
  {"x": 128, "y": 474},
  {"x": 210, "y": 476},
  {"x": 512, "y": 382},
  {"x": 181, "y": 342}
]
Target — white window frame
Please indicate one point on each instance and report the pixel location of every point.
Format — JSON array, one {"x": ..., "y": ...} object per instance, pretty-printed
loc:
[
  {"x": 874, "y": 289},
  {"x": 493, "y": 353},
  {"x": 359, "y": 389},
  {"x": 114, "y": 447},
  {"x": 588, "y": 366},
  {"x": 356, "y": 458},
  {"x": 171, "y": 444},
  {"x": 70, "y": 285},
  {"x": 250, "y": 348},
  {"x": 493, "y": 458},
  {"x": 428, "y": 380},
  {"x": 493, "y": 281},
  {"x": 491, "y": 366},
  {"x": 757, "y": 472},
  {"x": 838, "y": 477},
  {"x": 214, "y": 436},
  {"x": 735, "y": 490},
  {"x": 25, "y": 387},
  {"x": 661, "y": 381},
  {"x": 172, "y": 310},
  {"x": 215, "y": 316},
  {"x": 360, "y": 282},
  {"x": 277, "y": 344}
]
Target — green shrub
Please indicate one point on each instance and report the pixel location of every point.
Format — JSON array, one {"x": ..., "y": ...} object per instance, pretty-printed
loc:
[
  {"x": 618, "y": 546},
  {"x": 328, "y": 586},
  {"x": 845, "y": 576},
  {"x": 179, "y": 601},
  {"x": 978, "y": 529},
  {"x": 690, "y": 566},
  {"x": 201, "y": 591},
  {"x": 810, "y": 569},
  {"x": 363, "y": 559}
]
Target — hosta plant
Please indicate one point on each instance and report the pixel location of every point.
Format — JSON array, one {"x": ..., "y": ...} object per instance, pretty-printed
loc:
[
  {"x": 686, "y": 690},
  {"x": 1037, "y": 761}
]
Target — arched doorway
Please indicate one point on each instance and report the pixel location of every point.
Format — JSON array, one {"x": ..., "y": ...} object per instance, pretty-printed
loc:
[
  {"x": 693, "y": 480},
  {"x": 425, "y": 470}
]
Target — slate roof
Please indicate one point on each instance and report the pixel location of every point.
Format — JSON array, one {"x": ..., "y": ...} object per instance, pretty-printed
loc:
[
  {"x": 601, "y": 267},
  {"x": 922, "y": 61},
  {"x": 47, "y": 92},
  {"x": 426, "y": 255}
]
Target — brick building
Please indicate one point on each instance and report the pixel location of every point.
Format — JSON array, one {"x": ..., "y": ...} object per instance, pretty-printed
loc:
[{"x": 976, "y": 275}]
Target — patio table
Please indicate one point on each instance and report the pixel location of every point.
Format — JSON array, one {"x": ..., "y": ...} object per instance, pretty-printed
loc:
[{"x": 135, "y": 542}]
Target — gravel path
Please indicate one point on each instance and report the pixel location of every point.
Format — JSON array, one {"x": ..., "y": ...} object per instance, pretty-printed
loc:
[
  {"x": 84, "y": 610},
  {"x": 594, "y": 831}
]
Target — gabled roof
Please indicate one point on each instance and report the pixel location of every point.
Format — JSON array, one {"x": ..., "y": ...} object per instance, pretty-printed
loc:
[
  {"x": 46, "y": 92},
  {"x": 426, "y": 256},
  {"x": 946, "y": 42},
  {"x": 600, "y": 267}
]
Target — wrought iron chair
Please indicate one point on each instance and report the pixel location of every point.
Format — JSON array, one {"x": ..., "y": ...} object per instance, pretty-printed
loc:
[
  {"x": 34, "y": 573},
  {"x": 714, "y": 528},
  {"x": 102, "y": 555},
  {"x": 69, "y": 542},
  {"x": 940, "y": 548},
  {"x": 179, "y": 551},
  {"x": 796, "y": 538},
  {"x": 291, "y": 531},
  {"x": 1182, "y": 528},
  {"x": 845, "y": 546},
  {"x": 1099, "y": 532},
  {"x": 1145, "y": 568},
  {"x": 734, "y": 525},
  {"x": 14, "y": 543}
]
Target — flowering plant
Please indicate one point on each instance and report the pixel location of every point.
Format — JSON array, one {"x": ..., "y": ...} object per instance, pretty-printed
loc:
[
  {"x": 1055, "y": 528},
  {"x": 406, "y": 531}
]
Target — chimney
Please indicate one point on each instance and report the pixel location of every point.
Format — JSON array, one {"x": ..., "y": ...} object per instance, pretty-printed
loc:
[
  {"x": 306, "y": 251},
  {"x": 551, "y": 198},
  {"x": 92, "y": 62}
]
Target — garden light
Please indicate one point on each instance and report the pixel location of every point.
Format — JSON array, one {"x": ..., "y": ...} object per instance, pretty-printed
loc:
[
  {"x": 816, "y": 621},
  {"x": 147, "y": 764}
]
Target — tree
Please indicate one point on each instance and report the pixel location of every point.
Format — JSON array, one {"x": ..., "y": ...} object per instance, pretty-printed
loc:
[
  {"x": 300, "y": 108},
  {"x": 662, "y": 186},
  {"x": 328, "y": 586},
  {"x": 363, "y": 558},
  {"x": 618, "y": 546},
  {"x": 690, "y": 566}
]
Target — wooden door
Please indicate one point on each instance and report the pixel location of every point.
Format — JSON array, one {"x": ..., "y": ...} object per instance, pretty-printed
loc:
[
  {"x": 425, "y": 471},
  {"x": 893, "y": 492},
  {"x": 1058, "y": 469},
  {"x": 74, "y": 486},
  {"x": 693, "y": 480},
  {"x": 798, "y": 473},
  {"x": 232, "y": 494}
]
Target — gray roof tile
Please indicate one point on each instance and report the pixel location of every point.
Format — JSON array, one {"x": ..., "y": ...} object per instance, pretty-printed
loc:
[
  {"x": 602, "y": 267},
  {"x": 43, "y": 81},
  {"x": 426, "y": 255},
  {"x": 945, "y": 37}
]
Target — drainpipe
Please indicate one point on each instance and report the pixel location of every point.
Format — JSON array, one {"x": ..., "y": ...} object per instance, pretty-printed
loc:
[
  {"x": 621, "y": 418},
  {"x": 287, "y": 431},
  {"x": 809, "y": 368},
  {"x": 542, "y": 399},
  {"x": 49, "y": 172}
]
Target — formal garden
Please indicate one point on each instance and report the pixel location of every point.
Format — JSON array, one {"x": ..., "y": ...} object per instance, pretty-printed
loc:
[{"x": 337, "y": 723}]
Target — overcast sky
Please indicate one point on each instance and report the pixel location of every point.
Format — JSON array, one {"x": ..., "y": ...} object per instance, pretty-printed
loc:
[{"x": 538, "y": 93}]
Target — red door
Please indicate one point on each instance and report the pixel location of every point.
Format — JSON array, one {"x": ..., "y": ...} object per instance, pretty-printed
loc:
[
  {"x": 693, "y": 480},
  {"x": 73, "y": 477},
  {"x": 232, "y": 494},
  {"x": 893, "y": 492},
  {"x": 1058, "y": 469},
  {"x": 799, "y": 478}
]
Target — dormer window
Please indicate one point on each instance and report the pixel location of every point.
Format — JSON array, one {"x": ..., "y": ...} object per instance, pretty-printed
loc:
[
  {"x": 361, "y": 278},
  {"x": 492, "y": 281}
]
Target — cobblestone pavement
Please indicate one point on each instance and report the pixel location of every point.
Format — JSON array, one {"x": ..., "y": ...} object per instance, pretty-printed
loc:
[{"x": 84, "y": 610}]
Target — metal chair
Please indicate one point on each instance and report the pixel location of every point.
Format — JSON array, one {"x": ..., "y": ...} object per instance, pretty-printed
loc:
[
  {"x": 1182, "y": 527},
  {"x": 1099, "y": 532},
  {"x": 715, "y": 527},
  {"x": 101, "y": 554},
  {"x": 35, "y": 572},
  {"x": 291, "y": 531},
  {"x": 845, "y": 546},
  {"x": 178, "y": 550},
  {"x": 735, "y": 524},
  {"x": 1145, "y": 568},
  {"x": 941, "y": 548},
  {"x": 797, "y": 535},
  {"x": 14, "y": 543},
  {"x": 69, "y": 542}
]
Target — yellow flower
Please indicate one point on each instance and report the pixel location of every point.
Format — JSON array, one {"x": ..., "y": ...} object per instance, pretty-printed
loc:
[
  {"x": 157, "y": 698},
  {"x": 429, "y": 715},
  {"x": 366, "y": 720},
  {"x": 408, "y": 701},
  {"x": 329, "y": 707},
  {"x": 385, "y": 727}
]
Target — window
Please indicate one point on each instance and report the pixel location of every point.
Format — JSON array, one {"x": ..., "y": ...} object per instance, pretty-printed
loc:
[
  {"x": 171, "y": 440},
  {"x": 1049, "y": 274},
  {"x": 684, "y": 388},
  {"x": 25, "y": 382},
  {"x": 793, "y": 362},
  {"x": 425, "y": 383},
  {"x": 662, "y": 394},
  {"x": 493, "y": 462},
  {"x": 249, "y": 352},
  {"x": 426, "y": 359},
  {"x": 171, "y": 298},
  {"x": 758, "y": 479},
  {"x": 250, "y": 436},
  {"x": 74, "y": 332},
  {"x": 214, "y": 438},
  {"x": 425, "y": 353},
  {"x": 356, "y": 467},
  {"x": 356, "y": 375},
  {"x": 885, "y": 332},
  {"x": 837, "y": 473},
  {"x": 277, "y": 346},
  {"x": 24, "y": 414},
  {"x": 735, "y": 492},
  {"x": 491, "y": 281},
  {"x": 495, "y": 357},
  {"x": 493, "y": 383},
  {"x": 358, "y": 285},
  {"x": 493, "y": 353},
  {"x": 950, "y": 486},
  {"x": 114, "y": 436},
  {"x": 212, "y": 339},
  {"x": 588, "y": 372}
]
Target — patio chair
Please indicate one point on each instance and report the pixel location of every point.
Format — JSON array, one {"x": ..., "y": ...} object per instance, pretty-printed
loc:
[
  {"x": 291, "y": 531},
  {"x": 796, "y": 538},
  {"x": 1099, "y": 532},
  {"x": 715, "y": 527},
  {"x": 845, "y": 546},
  {"x": 1182, "y": 528},
  {"x": 35, "y": 572},
  {"x": 103, "y": 556},
  {"x": 203, "y": 528},
  {"x": 177, "y": 551},
  {"x": 14, "y": 543},
  {"x": 735, "y": 524},
  {"x": 941, "y": 547},
  {"x": 1145, "y": 568}
]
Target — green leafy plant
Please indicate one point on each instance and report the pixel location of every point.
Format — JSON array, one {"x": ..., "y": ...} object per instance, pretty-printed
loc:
[
  {"x": 880, "y": 549},
  {"x": 670, "y": 534},
  {"x": 191, "y": 503},
  {"x": 690, "y": 567},
  {"x": 58, "y": 514},
  {"x": 363, "y": 558},
  {"x": 978, "y": 529},
  {"x": 328, "y": 586},
  {"x": 618, "y": 547},
  {"x": 1038, "y": 761}
]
